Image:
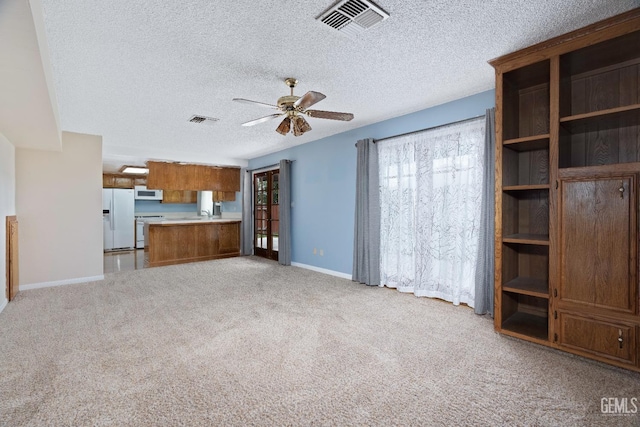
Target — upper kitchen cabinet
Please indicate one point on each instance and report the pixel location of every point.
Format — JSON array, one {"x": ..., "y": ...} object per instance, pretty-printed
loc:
[
  {"x": 112, "y": 180},
  {"x": 224, "y": 196},
  {"x": 177, "y": 176},
  {"x": 178, "y": 196}
]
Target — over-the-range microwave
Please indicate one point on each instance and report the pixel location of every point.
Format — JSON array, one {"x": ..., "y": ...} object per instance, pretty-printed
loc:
[{"x": 142, "y": 193}]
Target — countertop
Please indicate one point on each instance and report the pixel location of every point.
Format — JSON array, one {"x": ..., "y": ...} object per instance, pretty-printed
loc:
[{"x": 181, "y": 221}]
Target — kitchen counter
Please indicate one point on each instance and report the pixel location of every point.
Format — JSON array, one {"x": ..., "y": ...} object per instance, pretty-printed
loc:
[
  {"x": 180, "y": 240},
  {"x": 196, "y": 220}
]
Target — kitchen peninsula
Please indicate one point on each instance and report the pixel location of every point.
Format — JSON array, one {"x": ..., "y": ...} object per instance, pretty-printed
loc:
[{"x": 175, "y": 241}]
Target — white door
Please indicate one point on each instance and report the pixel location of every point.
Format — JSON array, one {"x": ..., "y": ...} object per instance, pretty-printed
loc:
[
  {"x": 107, "y": 196},
  {"x": 107, "y": 224},
  {"x": 123, "y": 219}
]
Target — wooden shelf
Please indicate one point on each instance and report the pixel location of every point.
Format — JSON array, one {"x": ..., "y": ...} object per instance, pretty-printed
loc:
[
  {"x": 525, "y": 187},
  {"x": 528, "y": 143},
  {"x": 528, "y": 286},
  {"x": 605, "y": 119},
  {"x": 528, "y": 325},
  {"x": 527, "y": 239}
]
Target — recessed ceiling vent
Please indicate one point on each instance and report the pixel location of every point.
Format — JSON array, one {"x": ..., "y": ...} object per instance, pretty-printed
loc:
[
  {"x": 203, "y": 119},
  {"x": 352, "y": 17}
]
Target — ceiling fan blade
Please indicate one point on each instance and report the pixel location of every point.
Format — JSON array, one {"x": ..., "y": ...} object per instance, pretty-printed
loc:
[
  {"x": 332, "y": 115},
  {"x": 308, "y": 99},
  {"x": 261, "y": 120},
  {"x": 248, "y": 101}
]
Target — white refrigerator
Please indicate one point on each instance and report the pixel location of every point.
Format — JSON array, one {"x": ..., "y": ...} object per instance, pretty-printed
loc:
[{"x": 118, "y": 222}]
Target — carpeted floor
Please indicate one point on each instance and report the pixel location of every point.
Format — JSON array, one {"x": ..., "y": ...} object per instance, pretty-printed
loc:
[{"x": 244, "y": 341}]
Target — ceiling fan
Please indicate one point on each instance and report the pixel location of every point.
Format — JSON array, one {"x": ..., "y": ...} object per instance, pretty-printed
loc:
[{"x": 293, "y": 108}]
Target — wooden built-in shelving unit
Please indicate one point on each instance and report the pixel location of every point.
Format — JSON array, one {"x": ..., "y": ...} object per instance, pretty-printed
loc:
[{"x": 567, "y": 173}]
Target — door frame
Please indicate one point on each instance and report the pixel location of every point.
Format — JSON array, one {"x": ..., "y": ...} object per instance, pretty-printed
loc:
[{"x": 269, "y": 252}]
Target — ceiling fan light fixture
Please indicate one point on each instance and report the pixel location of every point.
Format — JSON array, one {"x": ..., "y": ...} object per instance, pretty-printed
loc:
[
  {"x": 304, "y": 125},
  {"x": 284, "y": 126},
  {"x": 300, "y": 126}
]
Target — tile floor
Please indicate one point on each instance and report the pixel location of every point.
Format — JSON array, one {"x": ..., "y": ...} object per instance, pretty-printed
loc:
[{"x": 124, "y": 261}]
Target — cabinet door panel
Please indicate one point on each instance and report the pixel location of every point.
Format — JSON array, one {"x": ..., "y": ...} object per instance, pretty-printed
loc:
[
  {"x": 606, "y": 339},
  {"x": 123, "y": 182},
  {"x": 229, "y": 238},
  {"x": 108, "y": 181},
  {"x": 597, "y": 229}
]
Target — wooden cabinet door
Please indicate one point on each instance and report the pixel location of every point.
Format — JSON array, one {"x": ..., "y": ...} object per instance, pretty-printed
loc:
[
  {"x": 598, "y": 243},
  {"x": 171, "y": 196},
  {"x": 229, "y": 238},
  {"x": 224, "y": 196},
  {"x": 189, "y": 197},
  {"x": 229, "y": 180},
  {"x": 108, "y": 181},
  {"x": 179, "y": 196},
  {"x": 139, "y": 180},
  {"x": 123, "y": 182}
]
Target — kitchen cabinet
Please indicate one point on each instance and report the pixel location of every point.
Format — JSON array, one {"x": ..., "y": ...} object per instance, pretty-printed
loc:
[
  {"x": 139, "y": 180},
  {"x": 112, "y": 180},
  {"x": 224, "y": 196},
  {"x": 191, "y": 177},
  {"x": 178, "y": 196},
  {"x": 108, "y": 181},
  {"x": 175, "y": 242}
]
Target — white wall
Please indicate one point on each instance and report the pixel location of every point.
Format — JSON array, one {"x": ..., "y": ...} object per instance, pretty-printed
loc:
[
  {"x": 59, "y": 209},
  {"x": 7, "y": 205}
]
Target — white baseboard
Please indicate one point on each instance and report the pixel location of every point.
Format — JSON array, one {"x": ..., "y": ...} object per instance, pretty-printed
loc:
[
  {"x": 3, "y": 304},
  {"x": 322, "y": 270},
  {"x": 61, "y": 282}
]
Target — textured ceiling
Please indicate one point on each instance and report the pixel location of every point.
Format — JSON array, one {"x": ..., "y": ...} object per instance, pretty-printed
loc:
[{"x": 136, "y": 71}]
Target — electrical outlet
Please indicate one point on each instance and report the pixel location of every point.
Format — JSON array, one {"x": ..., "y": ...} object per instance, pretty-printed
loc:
[
  {"x": 315, "y": 251},
  {"x": 321, "y": 252}
]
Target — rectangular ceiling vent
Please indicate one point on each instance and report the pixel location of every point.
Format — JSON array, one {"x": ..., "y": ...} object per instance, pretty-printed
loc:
[
  {"x": 203, "y": 119},
  {"x": 352, "y": 17}
]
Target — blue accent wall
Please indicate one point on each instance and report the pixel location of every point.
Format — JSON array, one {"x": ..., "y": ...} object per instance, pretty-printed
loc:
[
  {"x": 235, "y": 206},
  {"x": 323, "y": 177},
  {"x": 155, "y": 206}
]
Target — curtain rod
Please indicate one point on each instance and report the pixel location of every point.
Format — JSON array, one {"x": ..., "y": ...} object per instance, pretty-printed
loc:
[
  {"x": 266, "y": 167},
  {"x": 430, "y": 128}
]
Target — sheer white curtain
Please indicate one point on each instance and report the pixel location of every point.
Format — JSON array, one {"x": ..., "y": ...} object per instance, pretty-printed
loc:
[{"x": 430, "y": 199}]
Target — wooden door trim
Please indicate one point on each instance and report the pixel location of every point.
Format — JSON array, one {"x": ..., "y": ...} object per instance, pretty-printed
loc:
[
  {"x": 11, "y": 286},
  {"x": 257, "y": 249}
]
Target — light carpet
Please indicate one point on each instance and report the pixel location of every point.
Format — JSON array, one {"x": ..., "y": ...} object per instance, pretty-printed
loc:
[{"x": 244, "y": 341}]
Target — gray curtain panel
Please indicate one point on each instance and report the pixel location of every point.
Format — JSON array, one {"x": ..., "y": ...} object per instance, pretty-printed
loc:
[
  {"x": 284, "y": 225},
  {"x": 247, "y": 214},
  {"x": 485, "y": 266},
  {"x": 366, "y": 244}
]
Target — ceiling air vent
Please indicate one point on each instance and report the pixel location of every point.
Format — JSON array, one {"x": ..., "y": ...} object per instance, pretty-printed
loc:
[
  {"x": 352, "y": 17},
  {"x": 203, "y": 119}
]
